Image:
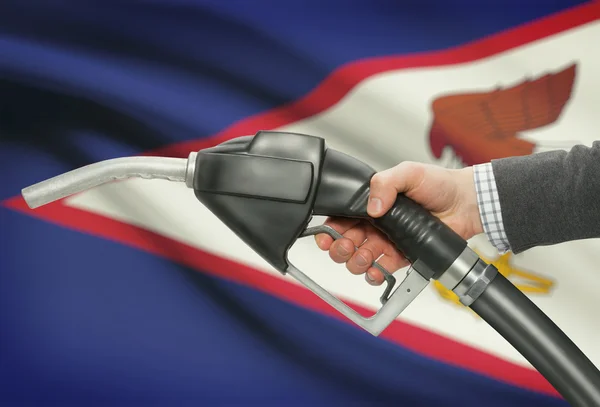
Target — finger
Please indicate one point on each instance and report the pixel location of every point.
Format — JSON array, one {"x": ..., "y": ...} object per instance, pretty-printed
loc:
[
  {"x": 374, "y": 276},
  {"x": 340, "y": 225},
  {"x": 375, "y": 245},
  {"x": 357, "y": 234},
  {"x": 362, "y": 259},
  {"x": 341, "y": 250},
  {"x": 386, "y": 185}
]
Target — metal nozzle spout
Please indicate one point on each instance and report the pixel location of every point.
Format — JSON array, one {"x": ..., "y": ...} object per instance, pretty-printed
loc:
[{"x": 80, "y": 179}]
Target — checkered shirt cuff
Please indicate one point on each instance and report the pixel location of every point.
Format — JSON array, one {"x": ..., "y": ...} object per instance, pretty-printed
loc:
[{"x": 489, "y": 206}]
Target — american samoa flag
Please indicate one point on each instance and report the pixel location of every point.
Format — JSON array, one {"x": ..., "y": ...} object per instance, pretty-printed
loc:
[{"x": 134, "y": 294}]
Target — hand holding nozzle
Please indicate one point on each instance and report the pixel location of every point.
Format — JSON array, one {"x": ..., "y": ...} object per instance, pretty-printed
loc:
[{"x": 448, "y": 193}]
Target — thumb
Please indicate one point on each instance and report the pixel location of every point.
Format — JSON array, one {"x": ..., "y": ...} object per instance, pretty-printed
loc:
[{"x": 386, "y": 185}]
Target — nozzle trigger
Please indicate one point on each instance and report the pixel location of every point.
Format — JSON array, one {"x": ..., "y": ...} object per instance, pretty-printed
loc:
[{"x": 389, "y": 278}]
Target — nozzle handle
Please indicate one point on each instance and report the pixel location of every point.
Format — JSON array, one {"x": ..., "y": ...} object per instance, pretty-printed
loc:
[{"x": 430, "y": 245}]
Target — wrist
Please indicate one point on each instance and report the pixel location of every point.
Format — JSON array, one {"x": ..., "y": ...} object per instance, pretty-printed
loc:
[{"x": 470, "y": 202}]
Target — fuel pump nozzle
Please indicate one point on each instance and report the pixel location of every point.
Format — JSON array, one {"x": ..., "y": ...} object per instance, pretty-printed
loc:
[{"x": 266, "y": 188}]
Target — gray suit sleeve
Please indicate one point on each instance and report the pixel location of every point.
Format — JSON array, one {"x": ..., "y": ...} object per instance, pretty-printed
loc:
[{"x": 551, "y": 197}]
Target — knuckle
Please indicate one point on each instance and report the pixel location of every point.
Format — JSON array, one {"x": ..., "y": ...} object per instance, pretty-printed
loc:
[
  {"x": 343, "y": 249},
  {"x": 406, "y": 168},
  {"x": 412, "y": 172},
  {"x": 363, "y": 258},
  {"x": 360, "y": 262},
  {"x": 374, "y": 277},
  {"x": 352, "y": 268},
  {"x": 380, "y": 179},
  {"x": 335, "y": 257},
  {"x": 322, "y": 241},
  {"x": 347, "y": 245}
]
